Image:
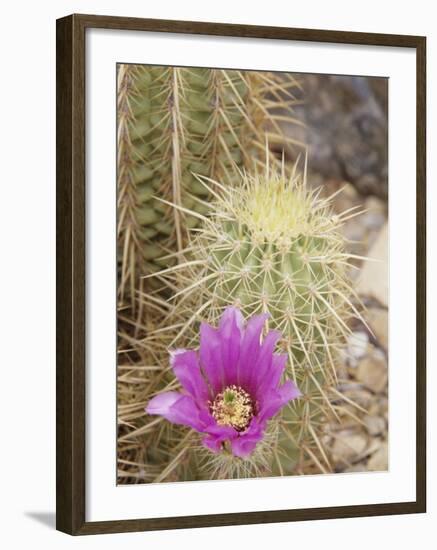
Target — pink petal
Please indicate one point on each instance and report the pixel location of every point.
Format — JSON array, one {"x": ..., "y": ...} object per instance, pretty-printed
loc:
[
  {"x": 230, "y": 333},
  {"x": 217, "y": 435},
  {"x": 263, "y": 363},
  {"x": 232, "y": 314},
  {"x": 226, "y": 432},
  {"x": 162, "y": 403},
  {"x": 176, "y": 408},
  {"x": 273, "y": 401},
  {"x": 211, "y": 357},
  {"x": 212, "y": 443},
  {"x": 273, "y": 376},
  {"x": 250, "y": 347},
  {"x": 186, "y": 367},
  {"x": 245, "y": 444},
  {"x": 290, "y": 391},
  {"x": 220, "y": 349}
]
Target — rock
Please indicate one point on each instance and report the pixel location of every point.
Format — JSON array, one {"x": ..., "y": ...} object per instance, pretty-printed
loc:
[
  {"x": 356, "y": 347},
  {"x": 347, "y": 198},
  {"x": 379, "y": 406},
  {"x": 359, "y": 467},
  {"x": 374, "y": 445},
  {"x": 359, "y": 395},
  {"x": 355, "y": 231},
  {"x": 375, "y": 425},
  {"x": 378, "y": 462},
  {"x": 375, "y": 205},
  {"x": 345, "y": 127},
  {"x": 376, "y": 215},
  {"x": 374, "y": 408},
  {"x": 348, "y": 446},
  {"x": 378, "y": 322},
  {"x": 373, "y": 280},
  {"x": 372, "y": 372}
]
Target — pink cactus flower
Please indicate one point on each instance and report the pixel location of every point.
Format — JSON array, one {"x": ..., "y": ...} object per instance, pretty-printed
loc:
[{"x": 231, "y": 387}]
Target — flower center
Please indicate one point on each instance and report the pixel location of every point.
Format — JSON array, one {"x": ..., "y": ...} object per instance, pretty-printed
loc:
[{"x": 233, "y": 407}]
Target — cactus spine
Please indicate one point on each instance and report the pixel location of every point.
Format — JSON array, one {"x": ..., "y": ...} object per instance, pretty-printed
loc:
[{"x": 176, "y": 121}]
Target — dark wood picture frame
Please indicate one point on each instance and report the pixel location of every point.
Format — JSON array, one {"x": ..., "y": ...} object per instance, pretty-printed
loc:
[{"x": 70, "y": 205}]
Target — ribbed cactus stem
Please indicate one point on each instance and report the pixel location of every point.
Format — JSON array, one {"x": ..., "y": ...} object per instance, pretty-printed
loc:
[
  {"x": 273, "y": 245},
  {"x": 129, "y": 241}
]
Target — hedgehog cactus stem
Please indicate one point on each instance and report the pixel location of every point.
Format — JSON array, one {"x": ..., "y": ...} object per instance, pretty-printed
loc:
[{"x": 273, "y": 245}]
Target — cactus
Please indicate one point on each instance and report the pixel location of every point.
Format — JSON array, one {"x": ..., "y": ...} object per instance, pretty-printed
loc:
[
  {"x": 209, "y": 235},
  {"x": 273, "y": 245},
  {"x": 176, "y": 121}
]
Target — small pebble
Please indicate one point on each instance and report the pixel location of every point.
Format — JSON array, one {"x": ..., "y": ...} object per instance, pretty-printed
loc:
[
  {"x": 348, "y": 446},
  {"x": 378, "y": 462},
  {"x": 375, "y": 425},
  {"x": 378, "y": 322},
  {"x": 357, "y": 347},
  {"x": 372, "y": 372}
]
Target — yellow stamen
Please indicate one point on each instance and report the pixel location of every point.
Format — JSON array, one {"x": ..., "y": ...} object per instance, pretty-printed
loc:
[{"x": 233, "y": 407}]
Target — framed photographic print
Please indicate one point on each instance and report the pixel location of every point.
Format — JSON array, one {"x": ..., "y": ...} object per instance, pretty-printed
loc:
[{"x": 240, "y": 274}]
